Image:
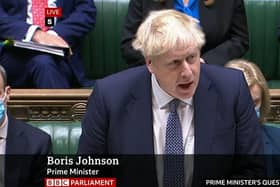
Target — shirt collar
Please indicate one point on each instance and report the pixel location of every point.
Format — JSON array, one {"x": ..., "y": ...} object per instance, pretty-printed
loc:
[
  {"x": 4, "y": 128},
  {"x": 161, "y": 98}
]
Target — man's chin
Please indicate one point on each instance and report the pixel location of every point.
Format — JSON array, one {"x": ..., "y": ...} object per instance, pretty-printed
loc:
[{"x": 185, "y": 93}]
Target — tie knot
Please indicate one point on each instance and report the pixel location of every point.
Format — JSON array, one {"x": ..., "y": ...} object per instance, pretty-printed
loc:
[{"x": 174, "y": 105}]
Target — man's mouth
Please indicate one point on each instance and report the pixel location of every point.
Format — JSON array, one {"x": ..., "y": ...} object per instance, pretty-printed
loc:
[{"x": 185, "y": 85}]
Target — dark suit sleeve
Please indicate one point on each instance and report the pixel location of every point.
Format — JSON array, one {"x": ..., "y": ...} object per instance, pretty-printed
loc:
[
  {"x": 78, "y": 23},
  {"x": 94, "y": 125},
  {"x": 237, "y": 42},
  {"x": 249, "y": 143},
  {"x": 133, "y": 20},
  {"x": 39, "y": 163},
  {"x": 10, "y": 25}
]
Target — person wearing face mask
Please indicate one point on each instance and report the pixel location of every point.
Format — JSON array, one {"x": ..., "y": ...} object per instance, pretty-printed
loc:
[
  {"x": 260, "y": 95},
  {"x": 19, "y": 138}
]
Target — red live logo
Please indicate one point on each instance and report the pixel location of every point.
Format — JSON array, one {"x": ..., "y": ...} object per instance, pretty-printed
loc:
[{"x": 53, "y": 12}]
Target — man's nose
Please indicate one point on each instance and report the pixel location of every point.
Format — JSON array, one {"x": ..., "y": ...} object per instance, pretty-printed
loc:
[{"x": 186, "y": 69}]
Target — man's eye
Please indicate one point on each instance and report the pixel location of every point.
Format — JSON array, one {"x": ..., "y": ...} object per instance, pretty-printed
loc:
[
  {"x": 191, "y": 59},
  {"x": 176, "y": 61}
]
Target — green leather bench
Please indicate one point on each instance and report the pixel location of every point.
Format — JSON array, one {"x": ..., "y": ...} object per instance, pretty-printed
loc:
[
  {"x": 101, "y": 53},
  {"x": 263, "y": 18},
  {"x": 101, "y": 50},
  {"x": 58, "y": 113},
  {"x": 65, "y": 135}
]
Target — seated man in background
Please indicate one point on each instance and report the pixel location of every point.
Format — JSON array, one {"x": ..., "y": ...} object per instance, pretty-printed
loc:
[
  {"x": 21, "y": 144},
  {"x": 260, "y": 94},
  {"x": 29, "y": 69},
  {"x": 174, "y": 105}
]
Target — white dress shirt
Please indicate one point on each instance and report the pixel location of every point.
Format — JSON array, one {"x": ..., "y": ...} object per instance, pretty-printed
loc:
[
  {"x": 160, "y": 100},
  {"x": 3, "y": 135},
  {"x": 3, "y": 138}
]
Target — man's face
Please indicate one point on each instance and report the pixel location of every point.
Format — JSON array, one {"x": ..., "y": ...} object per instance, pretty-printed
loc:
[{"x": 177, "y": 71}]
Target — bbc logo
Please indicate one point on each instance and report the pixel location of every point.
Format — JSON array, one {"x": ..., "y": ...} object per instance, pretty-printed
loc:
[{"x": 57, "y": 182}]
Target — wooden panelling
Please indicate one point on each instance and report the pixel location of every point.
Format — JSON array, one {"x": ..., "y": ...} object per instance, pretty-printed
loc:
[
  {"x": 48, "y": 104},
  {"x": 70, "y": 104}
]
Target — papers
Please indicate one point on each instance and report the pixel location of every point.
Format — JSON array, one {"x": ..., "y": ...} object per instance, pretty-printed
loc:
[{"x": 55, "y": 50}]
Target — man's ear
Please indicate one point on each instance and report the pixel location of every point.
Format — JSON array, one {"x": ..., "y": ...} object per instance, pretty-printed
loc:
[
  {"x": 149, "y": 65},
  {"x": 8, "y": 92}
]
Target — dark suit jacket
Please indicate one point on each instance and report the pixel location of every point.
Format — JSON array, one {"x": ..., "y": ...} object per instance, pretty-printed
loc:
[
  {"x": 224, "y": 24},
  {"x": 78, "y": 17},
  {"x": 271, "y": 136},
  {"x": 24, "y": 166},
  {"x": 119, "y": 119}
]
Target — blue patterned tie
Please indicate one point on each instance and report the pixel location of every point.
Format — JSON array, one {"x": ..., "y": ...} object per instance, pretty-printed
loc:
[{"x": 174, "y": 150}]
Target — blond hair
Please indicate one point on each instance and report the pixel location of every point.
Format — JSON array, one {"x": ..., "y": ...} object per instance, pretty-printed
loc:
[
  {"x": 165, "y": 30},
  {"x": 253, "y": 75}
]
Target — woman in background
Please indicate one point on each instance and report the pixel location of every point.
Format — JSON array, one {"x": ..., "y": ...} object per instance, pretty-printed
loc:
[
  {"x": 257, "y": 84},
  {"x": 260, "y": 94}
]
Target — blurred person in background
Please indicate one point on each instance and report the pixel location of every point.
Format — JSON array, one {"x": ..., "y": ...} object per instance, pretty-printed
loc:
[
  {"x": 223, "y": 22},
  {"x": 20, "y": 147},
  {"x": 257, "y": 84},
  {"x": 25, "y": 20},
  {"x": 260, "y": 94}
]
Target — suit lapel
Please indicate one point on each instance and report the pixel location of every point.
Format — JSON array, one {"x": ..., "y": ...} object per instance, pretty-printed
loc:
[
  {"x": 139, "y": 129},
  {"x": 205, "y": 102},
  {"x": 15, "y": 142},
  {"x": 139, "y": 124}
]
